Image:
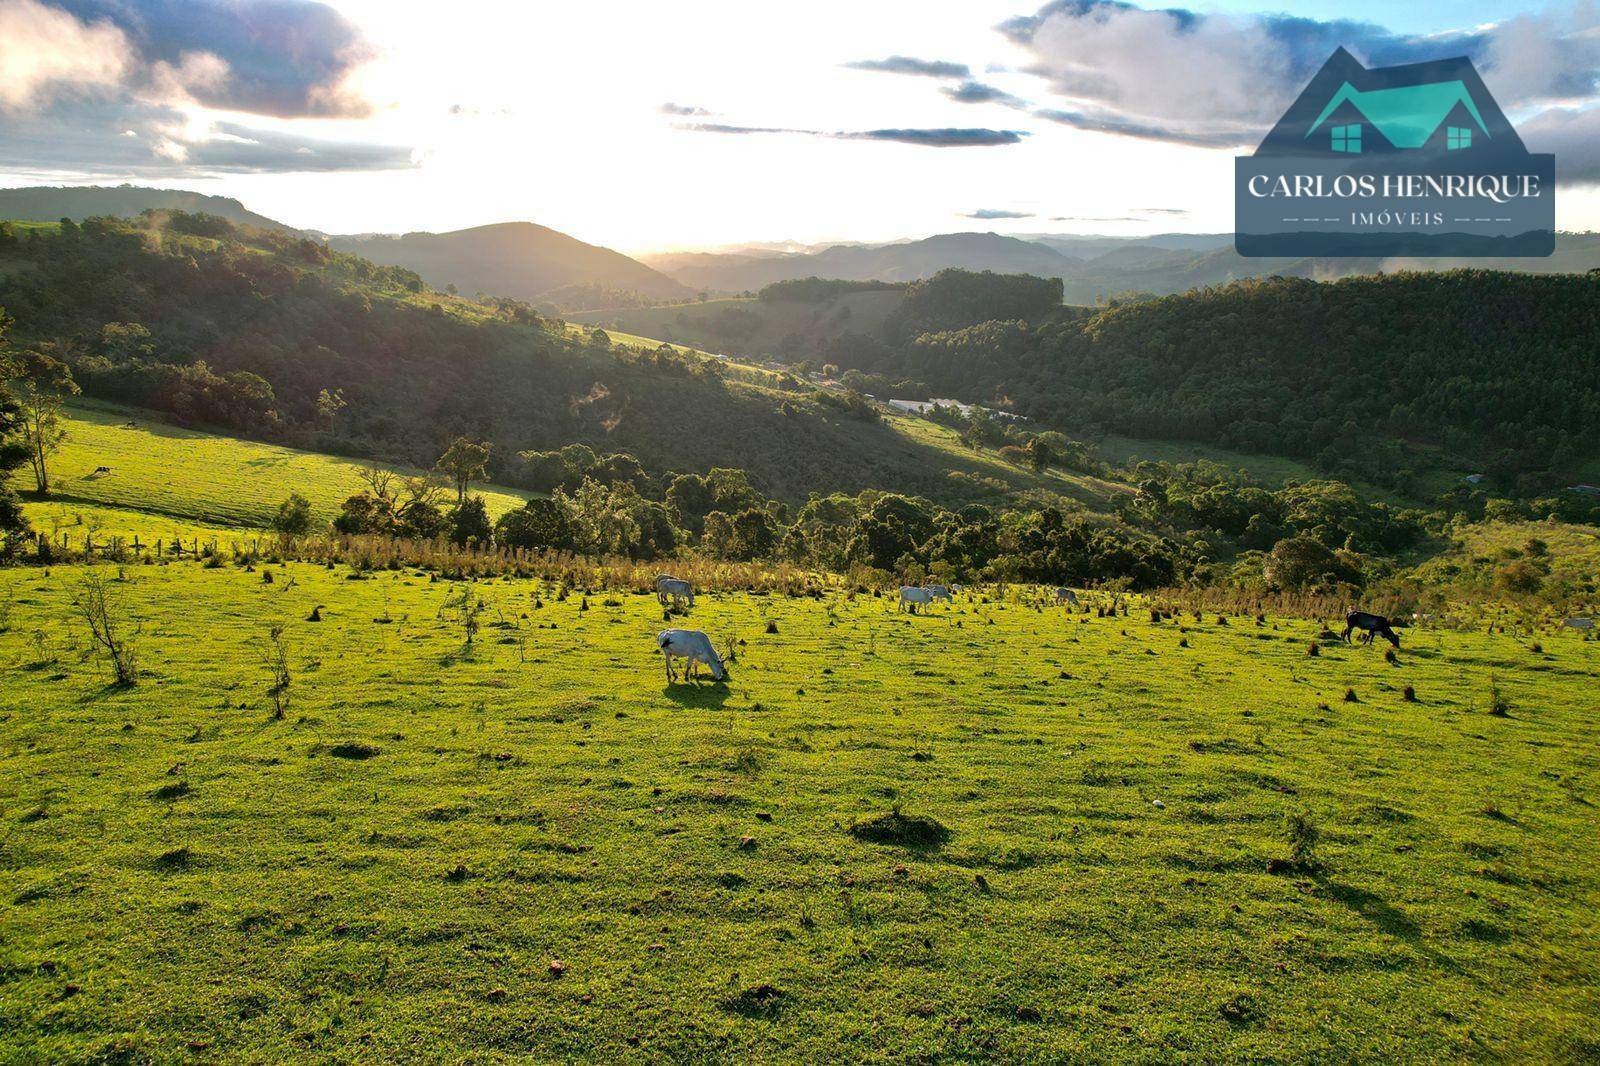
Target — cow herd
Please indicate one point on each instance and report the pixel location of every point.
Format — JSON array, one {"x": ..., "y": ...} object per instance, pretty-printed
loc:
[{"x": 697, "y": 650}]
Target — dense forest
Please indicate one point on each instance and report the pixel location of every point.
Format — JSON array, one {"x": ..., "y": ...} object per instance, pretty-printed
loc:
[{"x": 1356, "y": 375}]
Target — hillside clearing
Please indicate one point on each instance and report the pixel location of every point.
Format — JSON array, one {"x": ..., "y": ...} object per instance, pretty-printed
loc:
[{"x": 202, "y": 477}]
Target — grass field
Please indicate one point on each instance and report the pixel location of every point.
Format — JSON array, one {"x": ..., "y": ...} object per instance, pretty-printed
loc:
[
  {"x": 203, "y": 478},
  {"x": 536, "y": 848},
  {"x": 771, "y": 322}
]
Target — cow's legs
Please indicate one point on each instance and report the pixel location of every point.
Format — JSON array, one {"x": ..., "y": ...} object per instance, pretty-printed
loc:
[
  {"x": 1347, "y": 630},
  {"x": 667, "y": 658}
]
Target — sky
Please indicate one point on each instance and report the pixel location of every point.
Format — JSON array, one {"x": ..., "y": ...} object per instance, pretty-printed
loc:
[{"x": 651, "y": 126}]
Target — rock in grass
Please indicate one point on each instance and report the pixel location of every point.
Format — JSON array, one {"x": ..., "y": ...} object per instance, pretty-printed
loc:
[
  {"x": 353, "y": 750},
  {"x": 897, "y": 827}
]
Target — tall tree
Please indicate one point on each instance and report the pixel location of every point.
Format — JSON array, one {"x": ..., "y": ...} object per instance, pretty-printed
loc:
[
  {"x": 41, "y": 383},
  {"x": 13, "y": 450},
  {"x": 464, "y": 462}
]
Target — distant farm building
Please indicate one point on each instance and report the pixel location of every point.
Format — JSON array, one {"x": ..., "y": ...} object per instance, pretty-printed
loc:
[
  {"x": 1587, "y": 490},
  {"x": 923, "y": 407}
]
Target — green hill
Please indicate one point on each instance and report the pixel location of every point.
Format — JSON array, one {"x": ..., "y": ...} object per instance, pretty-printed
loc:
[
  {"x": 50, "y": 203},
  {"x": 516, "y": 259},
  {"x": 245, "y": 330},
  {"x": 793, "y": 329}
]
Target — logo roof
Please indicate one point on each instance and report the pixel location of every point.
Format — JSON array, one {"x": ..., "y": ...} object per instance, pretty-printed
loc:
[{"x": 1407, "y": 115}]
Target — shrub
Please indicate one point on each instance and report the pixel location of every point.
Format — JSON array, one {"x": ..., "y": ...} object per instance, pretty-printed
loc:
[{"x": 294, "y": 516}]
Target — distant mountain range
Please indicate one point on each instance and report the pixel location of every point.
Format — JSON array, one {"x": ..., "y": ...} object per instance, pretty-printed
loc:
[
  {"x": 1091, "y": 267},
  {"x": 562, "y": 274},
  {"x": 516, "y": 259}
]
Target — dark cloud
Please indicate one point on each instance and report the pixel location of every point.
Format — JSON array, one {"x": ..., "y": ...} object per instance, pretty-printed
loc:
[
  {"x": 238, "y": 148},
  {"x": 118, "y": 138},
  {"x": 927, "y": 68},
  {"x": 285, "y": 58},
  {"x": 1574, "y": 137},
  {"x": 1221, "y": 80},
  {"x": 682, "y": 109},
  {"x": 940, "y": 138},
  {"x": 1109, "y": 123},
  {"x": 974, "y": 92},
  {"x": 932, "y": 138},
  {"x": 987, "y": 213}
]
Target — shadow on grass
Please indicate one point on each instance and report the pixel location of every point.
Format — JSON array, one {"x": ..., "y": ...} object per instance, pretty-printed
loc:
[
  {"x": 696, "y": 694},
  {"x": 1374, "y": 908}
]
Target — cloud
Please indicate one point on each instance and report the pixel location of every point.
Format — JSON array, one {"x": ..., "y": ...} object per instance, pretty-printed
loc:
[
  {"x": 682, "y": 109},
  {"x": 285, "y": 58},
  {"x": 987, "y": 213},
  {"x": 1214, "y": 80},
  {"x": 940, "y": 138},
  {"x": 932, "y": 138},
  {"x": 43, "y": 49},
  {"x": 1161, "y": 210},
  {"x": 1574, "y": 136},
  {"x": 927, "y": 68},
  {"x": 127, "y": 86},
  {"x": 119, "y": 139},
  {"x": 974, "y": 92},
  {"x": 1110, "y": 122}
]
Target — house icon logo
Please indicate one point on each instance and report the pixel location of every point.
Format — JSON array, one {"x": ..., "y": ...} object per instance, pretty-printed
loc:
[{"x": 1414, "y": 160}]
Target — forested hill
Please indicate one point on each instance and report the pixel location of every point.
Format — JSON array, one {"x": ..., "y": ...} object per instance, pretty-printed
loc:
[
  {"x": 516, "y": 259},
  {"x": 283, "y": 338},
  {"x": 1500, "y": 367},
  {"x": 51, "y": 203}
]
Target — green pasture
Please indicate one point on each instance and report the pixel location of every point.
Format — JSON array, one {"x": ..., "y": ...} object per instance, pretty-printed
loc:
[
  {"x": 533, "y": 847},
  {"x": 201, "y": 477}
]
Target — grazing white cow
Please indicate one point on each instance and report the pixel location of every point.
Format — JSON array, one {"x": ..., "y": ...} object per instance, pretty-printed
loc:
[
  {"x": 912, "y": 597},
  {"x": 693, "y": 645},
  {"x": 678, "y": 589},
  {"x": 1586, "y": 624},
  {"x": 1064, "y": 595}
]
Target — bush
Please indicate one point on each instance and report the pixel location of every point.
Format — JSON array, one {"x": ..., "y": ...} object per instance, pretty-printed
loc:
[{"x": 294, "y": 516}]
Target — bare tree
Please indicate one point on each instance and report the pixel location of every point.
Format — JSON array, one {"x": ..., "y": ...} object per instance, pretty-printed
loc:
[
  {"x": 379, "y": 482},
  {"x": 463, "y": 606},
  {"x": 109, "y": 628},
  {"x": 276, "y": 653},
  {"x": 421, "y": 489}
]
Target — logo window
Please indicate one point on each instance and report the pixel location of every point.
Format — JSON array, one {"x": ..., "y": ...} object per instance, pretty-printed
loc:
[
  {"x": 1457, "y": 137},
  {"x": 1348, "y": 138}
]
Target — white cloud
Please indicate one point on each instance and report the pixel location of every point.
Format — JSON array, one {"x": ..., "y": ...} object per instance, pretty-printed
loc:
[
  {"x": 1160, "y": 66},
  {"x": 44, "y": 49}
]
